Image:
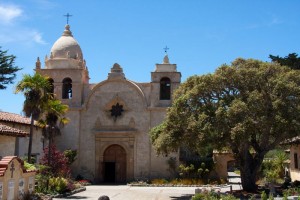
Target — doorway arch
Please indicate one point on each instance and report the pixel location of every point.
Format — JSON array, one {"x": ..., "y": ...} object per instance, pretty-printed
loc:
[{"x": 114, "y": 164}]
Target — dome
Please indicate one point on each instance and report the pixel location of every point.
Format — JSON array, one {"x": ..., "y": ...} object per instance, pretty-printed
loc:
[{"x": 66, "y": 46}]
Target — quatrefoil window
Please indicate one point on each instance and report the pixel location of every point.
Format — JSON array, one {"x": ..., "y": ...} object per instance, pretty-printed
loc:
[{"x": 116, "y": 110}]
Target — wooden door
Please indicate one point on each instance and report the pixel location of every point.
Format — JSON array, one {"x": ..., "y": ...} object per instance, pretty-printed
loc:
[{"x": 117, "y": 155}]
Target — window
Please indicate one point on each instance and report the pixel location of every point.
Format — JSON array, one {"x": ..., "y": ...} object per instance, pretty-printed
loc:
[
  {"x": 296, "y": 160},
  {"x": 165, "y": 89},
  {"x": 67, "y": 88}
]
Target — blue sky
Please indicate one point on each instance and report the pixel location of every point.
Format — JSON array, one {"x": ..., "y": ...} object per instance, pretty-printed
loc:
[{"x": 201, "y": 34}]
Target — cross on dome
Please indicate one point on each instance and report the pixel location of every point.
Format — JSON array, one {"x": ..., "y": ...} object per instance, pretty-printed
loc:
[{"x": 68, "y": 16}]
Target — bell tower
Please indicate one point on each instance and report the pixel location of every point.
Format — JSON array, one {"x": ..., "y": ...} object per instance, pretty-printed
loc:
[
  {"x": 164, "y": 80},
  {"x": 67, "y": 69}
]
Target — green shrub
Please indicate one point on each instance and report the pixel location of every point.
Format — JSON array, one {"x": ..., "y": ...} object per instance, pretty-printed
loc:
[
  {"x": 58, "y": 184},
  {"x": 212, "y": 195},
  {"x": 29, "y": 166},
  {"x": 228, "y": 197},
  {"x": 42, "y": 179},
  {"x": 264, "y": 196},
  {"x": 273, "y": 166},
  {"x": 201, "y": 170},
  {"x": 206, "y": 196},
  {"x": 70, "y": 155},
  {"x": 159, "y": 181}
]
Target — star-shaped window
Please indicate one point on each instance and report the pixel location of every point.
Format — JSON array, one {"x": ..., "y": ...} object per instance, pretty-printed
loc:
[{"x": 116, "y": 110}]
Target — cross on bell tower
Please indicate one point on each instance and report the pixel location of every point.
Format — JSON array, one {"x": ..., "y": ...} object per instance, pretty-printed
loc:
[
  {"x": 166, "y": 49},
  {"x": 68, "y": 16}
]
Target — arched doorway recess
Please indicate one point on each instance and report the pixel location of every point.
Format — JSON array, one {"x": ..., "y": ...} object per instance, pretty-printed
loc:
[{"x": 114, "y": 163}]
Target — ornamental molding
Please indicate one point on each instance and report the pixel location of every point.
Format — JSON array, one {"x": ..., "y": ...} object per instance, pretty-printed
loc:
[{"x": 116, "y": 107}]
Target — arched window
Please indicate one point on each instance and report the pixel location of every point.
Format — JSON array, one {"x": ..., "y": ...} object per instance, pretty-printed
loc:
[
  {"x": 67, "y": 88},
  {"x": 165, "y": 89}
]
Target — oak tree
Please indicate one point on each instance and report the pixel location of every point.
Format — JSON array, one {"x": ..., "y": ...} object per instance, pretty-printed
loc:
[{"x": 248, "y": 107}]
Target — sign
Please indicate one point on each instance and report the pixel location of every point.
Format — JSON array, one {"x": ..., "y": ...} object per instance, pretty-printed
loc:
[
  {"x": 1, "y": 190},
  {"x": 11, "y": 190},
  {"x": 21, "y": 188},
  {"x": 30, "y": 185}
]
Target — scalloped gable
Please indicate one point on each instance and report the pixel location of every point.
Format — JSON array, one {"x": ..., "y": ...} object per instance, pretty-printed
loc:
[{"x": 7, "y": 160}]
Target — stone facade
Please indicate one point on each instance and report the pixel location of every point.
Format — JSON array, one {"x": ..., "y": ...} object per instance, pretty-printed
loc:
[
  {"x": 294, "y": 168},
  {"x": 110, "y": 120},
  {"x": 223, "y": 160},
  {"x": 7, "y": 145},
  {"x": 292, "y": 165}
]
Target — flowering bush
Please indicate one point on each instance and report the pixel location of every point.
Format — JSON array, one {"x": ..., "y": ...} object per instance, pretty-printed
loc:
[{"x": 58, "y": 163}]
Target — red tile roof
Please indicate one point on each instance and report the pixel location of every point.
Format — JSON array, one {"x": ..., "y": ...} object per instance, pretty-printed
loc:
[
  {"x": 10, "y": 131},
  {"x": 12, "y": 117},
  {"x": 4, "y": 162},
  {"x": 15, "y": 118}
]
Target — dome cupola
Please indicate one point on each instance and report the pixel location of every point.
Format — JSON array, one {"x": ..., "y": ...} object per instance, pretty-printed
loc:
[{"x": 65, "y": 52}]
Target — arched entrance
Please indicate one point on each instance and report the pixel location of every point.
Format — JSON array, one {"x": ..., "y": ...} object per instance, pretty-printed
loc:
[{"x": 114, "y": 164}]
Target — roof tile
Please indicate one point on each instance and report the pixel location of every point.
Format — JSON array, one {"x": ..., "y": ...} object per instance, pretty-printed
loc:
[
  {"x": 10, "y": 131},
  {"x": 12, "y": 117}
]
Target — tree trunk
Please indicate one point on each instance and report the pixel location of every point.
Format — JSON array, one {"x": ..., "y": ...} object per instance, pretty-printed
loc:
[
  {"x": 30, "y": 139},
  {"x": 248, "y": 178},
  {"x": 250, "y": 164},
  {"x": 49, "y": 147}
]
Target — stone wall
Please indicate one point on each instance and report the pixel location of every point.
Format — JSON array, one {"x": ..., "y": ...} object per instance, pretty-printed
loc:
[
  {"x": 295, "y": 167},
  {"x": 221, "y": 160},
  {"x": 19, "y": 146},
  {"x": 7, "y": 145}
]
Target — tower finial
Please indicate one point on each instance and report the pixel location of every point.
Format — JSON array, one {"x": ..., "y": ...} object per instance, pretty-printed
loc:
[
  {"x": 166, "y": 49},
  {"x": 166, "y": 58},
  {"x": 68, "y": 16},
  {"x": 38, "y": 63}
]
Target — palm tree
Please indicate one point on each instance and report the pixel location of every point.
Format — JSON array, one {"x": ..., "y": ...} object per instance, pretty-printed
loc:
[
  {"x": 35, "y": 89},
  {"x": 54, "y": 116}
]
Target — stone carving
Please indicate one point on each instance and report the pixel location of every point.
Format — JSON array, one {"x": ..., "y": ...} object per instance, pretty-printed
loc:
[
  {"x": 116, "y": 107},
  {"x": 116, "y": 111}
]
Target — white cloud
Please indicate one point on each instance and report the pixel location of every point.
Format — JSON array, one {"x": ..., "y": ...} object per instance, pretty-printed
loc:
[
  {"x": 19, "y": 33},
  {"x": 8, "y": 13},
  {"x": 37, "y": 37},
  {"x": 21, "y": 36}
]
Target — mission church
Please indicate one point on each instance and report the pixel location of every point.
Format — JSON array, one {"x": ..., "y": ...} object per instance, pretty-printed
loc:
[{"x": 110, "y": 120}]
